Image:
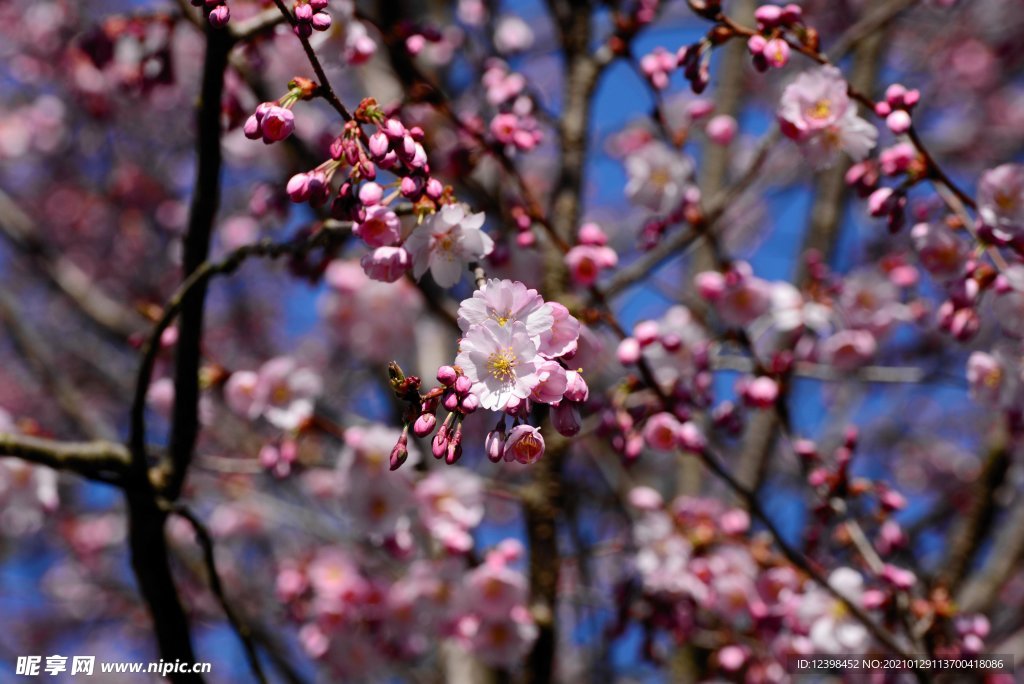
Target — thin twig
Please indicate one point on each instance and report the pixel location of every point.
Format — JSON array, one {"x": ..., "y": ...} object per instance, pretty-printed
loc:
[{"x": 205, "y": 540}]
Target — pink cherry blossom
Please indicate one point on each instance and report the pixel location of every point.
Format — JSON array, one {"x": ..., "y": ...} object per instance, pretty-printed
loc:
[{"x": 447, "y": 242}]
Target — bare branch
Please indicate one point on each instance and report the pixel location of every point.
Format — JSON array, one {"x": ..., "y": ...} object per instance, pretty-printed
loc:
[
  {"x": 205, "y": 540},
  {"x": 101, "y": 461}
]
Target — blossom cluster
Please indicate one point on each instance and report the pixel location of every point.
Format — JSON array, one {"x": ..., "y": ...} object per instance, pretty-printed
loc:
[
  {"x": 446, "y": 237},
  {"x": 696, "y": 569},
  {"x": 514, "y": 352},
  {"x": 817, "y": 112},
  {"x": 359, "y": 612}
]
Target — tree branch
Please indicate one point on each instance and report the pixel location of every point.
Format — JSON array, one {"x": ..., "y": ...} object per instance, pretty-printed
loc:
[
  {"x": 205, "y": 540},
  {"x": 101, "y": 461}
]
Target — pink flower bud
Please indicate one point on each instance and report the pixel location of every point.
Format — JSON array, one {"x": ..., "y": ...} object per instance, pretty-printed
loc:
[
  {"x": 898, "y": 577},
  {"x": 463, "y": 384},
  {"x": 434, "y": 189},
  {"x": 710, "y": 285},
  {"x": 576, "y": 387},
  {"x": 298, "y": 187},
  {"x": 446, "y": 375},
  {"x": 394, "y": 129},
  {"x": 439, "y": 445},
  {"x": 304, "y": 13},
  {"x": 494, "y": 444},
  {"x": 768, "y": 16},
  {"x": 646, "y": 332},
  {"x": 721, "y": 129},
  {"x": 881, "y": 202},
  {"x": 370, "y": 194},
  {"x": 591, "y": 234},
  {"x": 661, "y": 431},
  {"x": 894, "y": 95},
  {"x": 756, "y": 44},
  {"x": 424, "y": 425},
  {"x": 277, "y": 124},
  {"x": 898, "y": 122},
  {"x": 399, "y": 453},
  {"x": 469, "y": 404},
  {"x": 219, "y": 16},
  {"x": 252, "y": 128},
  {"x": 735, "y": 521},
  {"x": 761, "y": 392},
  {"x": 411, "y": 187},
  {"x": 318, "y": 5},
  {"x": 691, "y": 439},
  {"x": 731, "y": 658},
  {"x": 451, "y": 401},
  {"x": 454, "y": 453},
  {"x": 378, "y": 145},
  {"x": 628, "y": 351},
  {"x": 321, "y": 21},
  {"x": 791, "y": 14},
  {"x": 645, "y": 498},
  {"x": 566, "y": 418},
  {"x": 671, "y": 342}
]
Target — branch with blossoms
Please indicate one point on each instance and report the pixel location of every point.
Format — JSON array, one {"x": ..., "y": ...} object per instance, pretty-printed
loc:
[{"x": 452, "y": 221}]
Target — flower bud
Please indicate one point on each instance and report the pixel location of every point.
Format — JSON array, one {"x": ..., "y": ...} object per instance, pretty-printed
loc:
[
  {"x": 463, "y": 384},
  {"x": 400, "y": 452},
  {"x": 566, "y": 418},
  {"x": 691, "y": 439},
  {"x": 494, "y": 443},
  {"x": 219, "y": 16},
  {"x": 446, "y": 375},
  {"x": 424, "y": 425},
  {"x": 470, "y": 404},
  {"x": 321, "y": 21}
]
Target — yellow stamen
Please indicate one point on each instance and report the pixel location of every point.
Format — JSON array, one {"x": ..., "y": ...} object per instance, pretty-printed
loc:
[
  {"x": 502, "y": 365},
  {"x": 821, "y": 109}
]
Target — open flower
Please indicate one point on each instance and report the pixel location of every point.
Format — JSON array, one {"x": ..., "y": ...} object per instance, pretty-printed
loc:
[
  {"x": 501, "y": 361},
  {"x": 815, "y": 111},
  {"x": 658, "y": 177},
  {"x": 506, "y": 301},
  {"x": 525, "y": 444},
  {"x": 447, "y": 242},
  {"x": 285, "y": 393},
  {"x": 1001, "y": 200}
]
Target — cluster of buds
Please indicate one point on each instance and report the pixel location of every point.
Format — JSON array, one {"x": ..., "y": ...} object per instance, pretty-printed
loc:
[
  {"x": 695, "y": 61},
  {"x": 278, "y": 458},
  {"x": 629, "y": 432},
  {"x": 310, "y": 15},
  {"x": 392, "y": 147},
  {"x": 591, "y": 256},
  {"x": 275, "y": 121},
  {"x": 958, "y": 315},
  {"x": 216, "y": 11},
  {"x": 889, "y": 203},
  {"x": 525, "y": 237},
  {"x": 896, "y": 107},
  {"x": 419, "y": 37},
  {"x": 456, "y": 398},
  {"x": 517, "y": 131},
  {"x": 688, "y": 211},
  {"x": 770, "y": 47},
  {"x": 657, "y": 65},
  {"x": 901, "y": 158}
]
